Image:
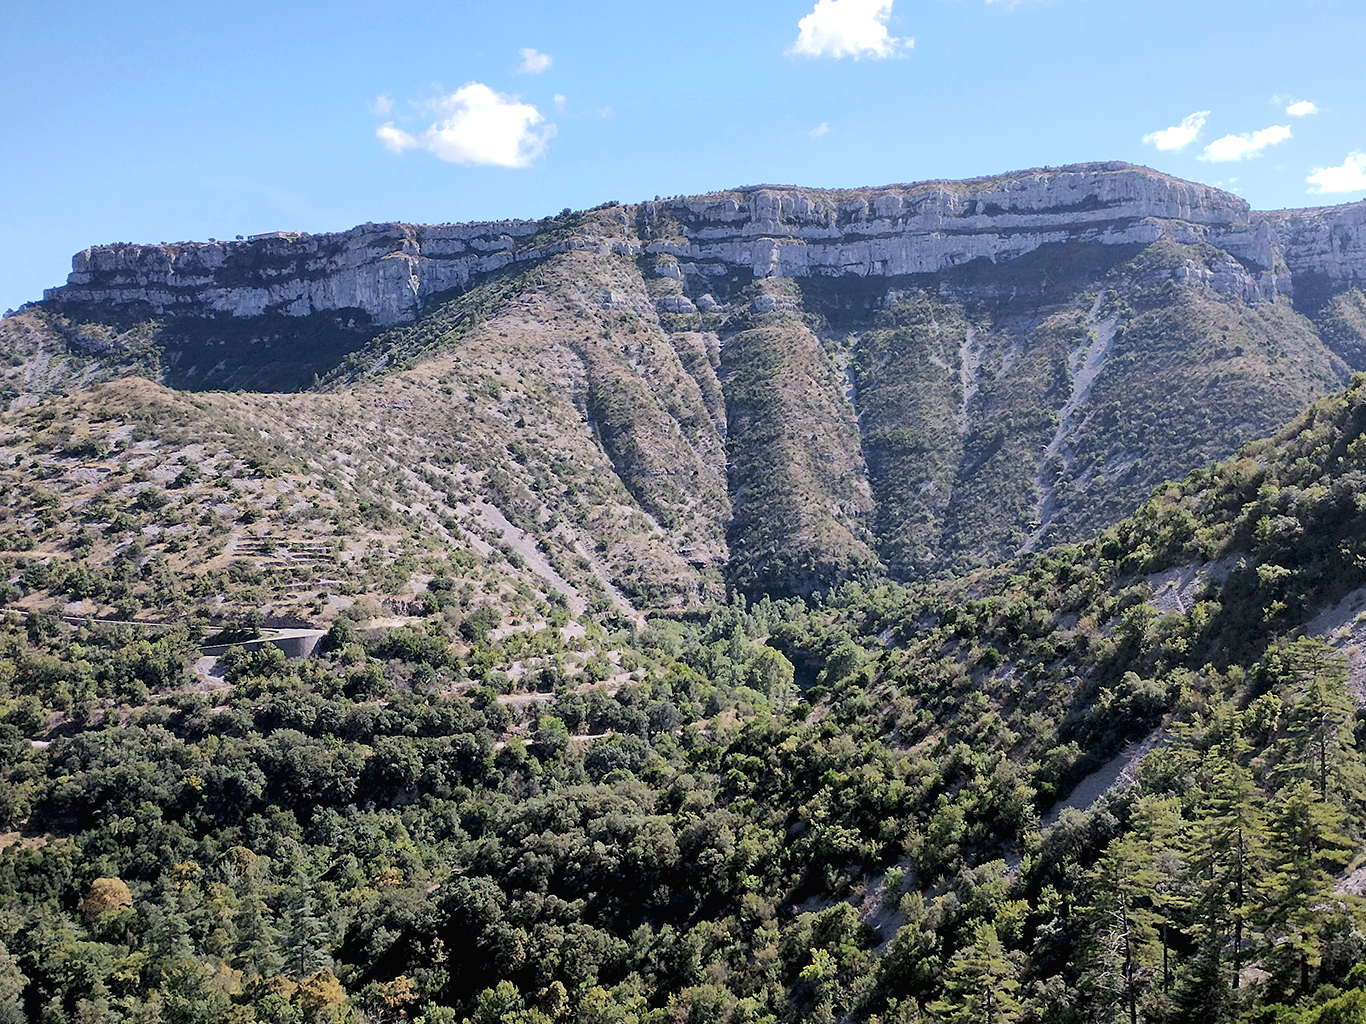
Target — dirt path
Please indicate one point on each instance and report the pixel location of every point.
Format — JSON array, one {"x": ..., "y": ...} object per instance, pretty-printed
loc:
[{"x": 1119, "y": 770}]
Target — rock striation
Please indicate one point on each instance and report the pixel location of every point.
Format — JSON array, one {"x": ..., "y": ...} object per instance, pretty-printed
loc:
[
  {"x": 1326, "y": 246},
  {"x": 382, "y": 270},
  {"x": 388, "y": 271}
]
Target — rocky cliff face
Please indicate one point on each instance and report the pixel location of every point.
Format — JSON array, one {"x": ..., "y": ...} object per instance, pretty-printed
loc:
[
  {"x": 922, "y": 229},
  {"x": 387, "y": 271},
  {"x": 383, "y": 270},
  {"x": 1326, "y": 246}
]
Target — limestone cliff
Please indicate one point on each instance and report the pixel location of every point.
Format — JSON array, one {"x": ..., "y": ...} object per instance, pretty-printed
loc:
[
  {"x": 1326, "y": 245},
  {"x": 387, "y": 271}
]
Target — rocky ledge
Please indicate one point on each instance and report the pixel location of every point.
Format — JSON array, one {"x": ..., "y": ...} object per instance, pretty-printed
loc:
[{"x": 386, "y": 271}]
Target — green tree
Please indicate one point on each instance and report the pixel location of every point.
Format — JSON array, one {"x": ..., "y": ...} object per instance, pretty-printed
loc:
[
  {"x": 12, "y": 982},
  {"x": 306, "y": 936},
  {"x": 1307, "y": 839},
  {"x": 771, "y": 674},
  {"x": 1122, "y": 926},
  {"x": 1223, "y": 847},
  {"x": 980, "y": 985},
  {"x": 1158, "y": 821},
  {"x": 1319, "y": 717},
  {"x": 911, "y": 965}
]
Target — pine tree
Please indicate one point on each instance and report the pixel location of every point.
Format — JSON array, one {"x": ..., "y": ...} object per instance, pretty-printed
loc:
[
  {"x": 1203, "y": 997},
  {"x": 1227, "y": 857},
  {"x": 257, "y": 938},
  {"x": 1122, "y": 927},
  {"x": 1158, "y": 821},
  {"x": 1319, "y": 715},
  {"x": 980, "y": 984},
  {"x": 1307, "y": 837},
  {"x": 306, "y": 938}
]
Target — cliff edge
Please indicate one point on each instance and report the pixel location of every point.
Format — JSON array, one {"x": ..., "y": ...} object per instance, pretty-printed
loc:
[{"x": 386, "y": 272}]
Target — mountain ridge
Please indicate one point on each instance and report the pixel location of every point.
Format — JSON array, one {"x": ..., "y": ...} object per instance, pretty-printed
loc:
[{"x": 298, "y": 273}]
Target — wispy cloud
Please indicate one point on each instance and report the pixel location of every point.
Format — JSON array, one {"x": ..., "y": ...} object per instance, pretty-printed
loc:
[
  {"x": 848, "y": 28},
  {"x": 560, "y": 103},
  {"x": 821, "y": 129},
  {"x": 396, "y": 140},
  {"x": 1178, "y": 136},
  {"x": 1350, "y": 177},
  {"x": 1241, "y": 147},
  {"x": 1301, "y": 109},
  {"x": 475, "y": 125},
  {"x": 382, "y": 105},
  {"x": 534, "y": 62}
]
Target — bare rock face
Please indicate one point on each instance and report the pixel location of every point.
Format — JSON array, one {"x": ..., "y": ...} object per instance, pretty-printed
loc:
[
  {"x": 1328, "y": 244},
  {"x": 387, "y": 271},
  {"x": 384, "y": 270},
  {"x": 921, "y": 229}
]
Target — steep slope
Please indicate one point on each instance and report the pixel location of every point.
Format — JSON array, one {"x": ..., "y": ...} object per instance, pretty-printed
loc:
[
  {"x": 800, "y": 491},
  {"x": 559, "y": 431},
  {"x": 786, "y": 388}
]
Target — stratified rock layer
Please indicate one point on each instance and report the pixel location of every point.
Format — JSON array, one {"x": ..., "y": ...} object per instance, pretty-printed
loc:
[{"x": 387, "y": 271}]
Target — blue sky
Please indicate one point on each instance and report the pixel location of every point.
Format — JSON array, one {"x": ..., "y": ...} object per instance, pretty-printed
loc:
[{"x": 157, "y": 121}]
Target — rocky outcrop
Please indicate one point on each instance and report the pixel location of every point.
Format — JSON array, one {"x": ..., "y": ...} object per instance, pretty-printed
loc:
[
  {"x": 1326, "y": 245},
  {"x": 387, "y": 271},
  {"x": 922, "y": 229},
  {"x": 382, "y": 270}
]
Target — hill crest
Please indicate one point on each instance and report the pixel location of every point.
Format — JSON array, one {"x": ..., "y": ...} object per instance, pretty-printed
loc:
[{"x": 388, "y": 273}]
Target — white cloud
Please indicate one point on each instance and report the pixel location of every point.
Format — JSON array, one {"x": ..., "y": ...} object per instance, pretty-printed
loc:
[
  {"x": 475, "y": 125},
  {"x": 1239, "y": 147},
  {"x": 1179, "y": 136},
  {"x": 396, "y": 140},
  {"x": 1301, "y": 109},
  {"x": 847, "y": 28},
  {"x": 534, "y": 62},
  {"x": 821, "y": 129},
  {"x": 382, "y": 105},
  {"x": 1350, "y": 177},
  {"x": 560, "y": 103},
  {"x": 606, "y": 112}
]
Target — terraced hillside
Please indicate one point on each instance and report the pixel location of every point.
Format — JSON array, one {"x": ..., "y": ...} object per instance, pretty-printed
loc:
[{"x": 771, "y": 390}]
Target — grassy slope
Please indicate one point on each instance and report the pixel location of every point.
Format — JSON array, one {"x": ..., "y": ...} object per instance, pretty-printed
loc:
[
  {"x": 908, "y": 376},
  {"x": 968, "y": 463},
  {"x": 1193, "y": 375},
  {"x": 133, "y": 501},
  {"x": 536, "y": 421},
  {"x": 1342, "y": 322}
]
